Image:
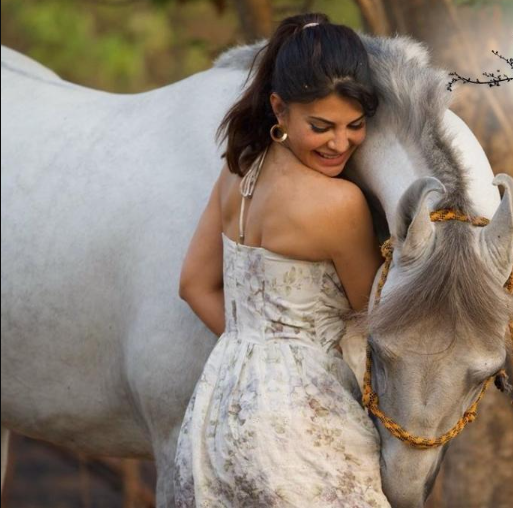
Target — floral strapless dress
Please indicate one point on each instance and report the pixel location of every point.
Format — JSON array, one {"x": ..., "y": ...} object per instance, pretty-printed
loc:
[{"x": 275, "y": 418}]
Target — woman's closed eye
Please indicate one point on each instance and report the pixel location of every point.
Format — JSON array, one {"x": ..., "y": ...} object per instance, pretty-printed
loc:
[
  {"x": 357, "y": 126},
  {"x": 321, "y": 130},
  {"x": 318, "y": 129}
]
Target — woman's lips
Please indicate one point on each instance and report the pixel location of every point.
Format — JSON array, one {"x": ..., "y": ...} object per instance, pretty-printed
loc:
[{"x": 331, "y": 162}]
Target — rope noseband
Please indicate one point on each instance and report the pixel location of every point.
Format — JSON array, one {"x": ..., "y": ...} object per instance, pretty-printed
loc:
[{"x": 370, "y": 398}]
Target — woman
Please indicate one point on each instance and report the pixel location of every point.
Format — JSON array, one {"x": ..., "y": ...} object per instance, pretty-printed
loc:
[{"x": 274, "y": 419}]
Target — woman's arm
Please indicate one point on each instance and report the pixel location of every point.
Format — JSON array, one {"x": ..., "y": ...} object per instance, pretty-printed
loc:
[
  {"x": 201, "y": 277},
  {"x": 209, "y": 307},
  {"x": 351, "y": 243}
]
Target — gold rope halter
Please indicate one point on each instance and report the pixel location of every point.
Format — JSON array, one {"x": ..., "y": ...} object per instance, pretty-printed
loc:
[{"x": 370, "y": 398}]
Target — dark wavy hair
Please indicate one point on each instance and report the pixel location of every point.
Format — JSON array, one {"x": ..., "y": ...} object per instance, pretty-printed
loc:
[{"x": 300, "y": 65}]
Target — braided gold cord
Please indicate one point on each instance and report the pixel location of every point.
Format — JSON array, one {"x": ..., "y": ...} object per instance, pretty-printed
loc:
[
  {"x": 387, "y": 252},
  {"x": 371, "y": 400},
  {"x": 509, "y": 289},
  {"x": 448, "y": 214}
]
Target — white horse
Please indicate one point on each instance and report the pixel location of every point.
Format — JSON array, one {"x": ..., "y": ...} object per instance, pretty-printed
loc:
[{"x": 101, "y": 196}]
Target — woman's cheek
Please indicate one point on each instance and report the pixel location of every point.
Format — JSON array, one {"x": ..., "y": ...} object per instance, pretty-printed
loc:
[{"x": 361, "y": 136}]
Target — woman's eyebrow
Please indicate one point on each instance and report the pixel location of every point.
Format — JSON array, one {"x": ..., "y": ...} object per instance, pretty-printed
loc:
[{"x": 332, "y": 123}]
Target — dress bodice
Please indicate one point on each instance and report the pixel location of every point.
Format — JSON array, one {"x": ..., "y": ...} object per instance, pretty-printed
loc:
[{"x": 270, "y": 296}]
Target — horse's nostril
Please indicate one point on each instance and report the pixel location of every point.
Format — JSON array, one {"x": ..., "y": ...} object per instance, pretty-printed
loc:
[{"x": 427, "y": 488}]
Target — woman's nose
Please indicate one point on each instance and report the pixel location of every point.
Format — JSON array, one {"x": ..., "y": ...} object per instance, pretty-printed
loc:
[{"x": 339, "y": 145}]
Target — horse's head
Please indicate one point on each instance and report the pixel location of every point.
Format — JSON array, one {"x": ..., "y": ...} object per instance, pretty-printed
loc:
[{"x": 438, "y": 332}]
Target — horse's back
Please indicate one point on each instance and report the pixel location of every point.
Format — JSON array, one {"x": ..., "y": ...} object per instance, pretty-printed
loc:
[{"x": 12, "y": 61}]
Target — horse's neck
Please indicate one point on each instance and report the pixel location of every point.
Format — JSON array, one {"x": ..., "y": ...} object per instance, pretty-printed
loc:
[
  {"x": 385, "y": 169},
  {"x": 485, "y": 196}
]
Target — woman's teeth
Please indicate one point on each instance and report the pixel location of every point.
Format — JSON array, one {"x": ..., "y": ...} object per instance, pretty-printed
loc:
[{"x": 329, "y": 156}]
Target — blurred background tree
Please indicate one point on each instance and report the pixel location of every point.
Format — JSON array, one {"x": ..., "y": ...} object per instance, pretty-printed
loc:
[{"x": 131, "y": 46}]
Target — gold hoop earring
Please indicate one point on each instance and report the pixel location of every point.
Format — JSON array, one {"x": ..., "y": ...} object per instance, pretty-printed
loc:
[{"x": 279, "y": 139}]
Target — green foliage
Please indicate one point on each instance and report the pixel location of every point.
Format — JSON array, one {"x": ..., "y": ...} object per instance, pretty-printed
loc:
[
  {"x": 342, "y": 12},
  {"x": 67, "y": 37},
  {"x": 160, "y": 2},
  {"x": 123, "y": 46},
  {"x": 469, "y": 2}
]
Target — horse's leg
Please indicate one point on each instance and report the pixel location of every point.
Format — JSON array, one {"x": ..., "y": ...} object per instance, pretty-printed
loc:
[
  {"x": 164, "y": 460},
  {"x": 5, "y": 449}
]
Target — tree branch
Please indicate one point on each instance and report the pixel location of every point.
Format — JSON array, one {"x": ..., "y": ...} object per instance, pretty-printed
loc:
[{"x": 503, "y": 120}]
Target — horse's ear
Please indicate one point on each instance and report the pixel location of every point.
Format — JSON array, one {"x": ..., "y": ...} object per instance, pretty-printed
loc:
[
  {"x": 413, "y": 227},
  {"x": 496, "y": 239}
]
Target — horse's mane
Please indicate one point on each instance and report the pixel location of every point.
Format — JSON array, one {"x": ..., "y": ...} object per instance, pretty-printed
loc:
[
  {"x": 452, "y": 289},
  {"x": 454, "y": 284}
]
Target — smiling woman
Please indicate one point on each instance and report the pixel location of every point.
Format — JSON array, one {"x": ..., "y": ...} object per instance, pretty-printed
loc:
[
  {"x": 322, "y": 134},
  {"x": 295, "y": 261}
]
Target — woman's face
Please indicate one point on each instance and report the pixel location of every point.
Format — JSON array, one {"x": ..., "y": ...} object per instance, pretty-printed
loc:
[{"x": 331, "y": 126}]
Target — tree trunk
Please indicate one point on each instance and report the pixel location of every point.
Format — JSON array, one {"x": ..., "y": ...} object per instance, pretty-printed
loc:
[
  {"x": 374, "y": 16},
  {"x": 255, "y": 18}
]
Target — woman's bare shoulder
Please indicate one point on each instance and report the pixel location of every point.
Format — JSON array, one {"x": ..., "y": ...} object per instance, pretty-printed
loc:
[
  {"x": 336, "y": 208},
  {"x": 331, "y": 197},
  {"x": 342, "y": 194},
  {"x": 345, "y": 231}
]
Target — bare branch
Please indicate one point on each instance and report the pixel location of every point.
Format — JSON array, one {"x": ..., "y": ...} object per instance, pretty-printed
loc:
[{"x": 493, "y": 80}]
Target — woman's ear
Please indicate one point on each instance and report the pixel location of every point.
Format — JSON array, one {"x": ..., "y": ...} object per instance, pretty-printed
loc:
[{"x": 278, "y": 105}]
